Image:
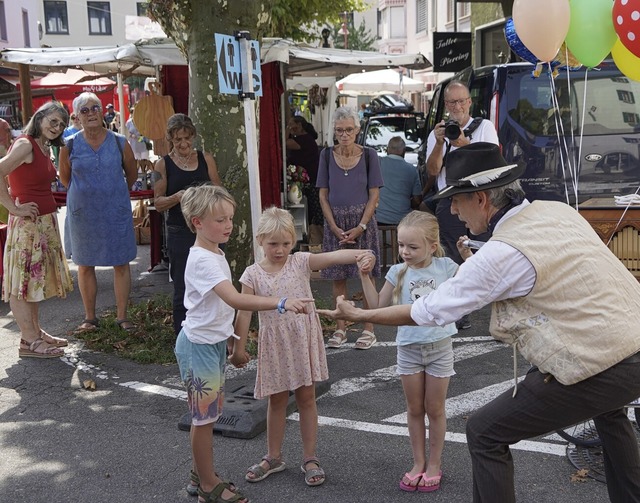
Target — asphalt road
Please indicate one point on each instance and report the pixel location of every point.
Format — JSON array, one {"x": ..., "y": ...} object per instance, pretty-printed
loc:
[{"x": 120, "y": 443}]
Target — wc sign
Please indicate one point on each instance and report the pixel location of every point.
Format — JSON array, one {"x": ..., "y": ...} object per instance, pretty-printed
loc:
[{"x": 230, "y": 65}]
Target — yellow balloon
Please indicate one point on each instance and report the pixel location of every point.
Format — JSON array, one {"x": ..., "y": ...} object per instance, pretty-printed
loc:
[{"x": 626, "y": 61}]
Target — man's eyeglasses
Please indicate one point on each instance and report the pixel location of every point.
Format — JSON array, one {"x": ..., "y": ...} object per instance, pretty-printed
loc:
[
  {"x": 94, "y": 109},
  {"x": 453, "y": 103},
  {"x": 348, "y": 131},
  {"x": 55, "y": 123}
]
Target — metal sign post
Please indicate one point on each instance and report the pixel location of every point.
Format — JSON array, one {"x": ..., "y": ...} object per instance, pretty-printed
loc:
[{"x": 239, "y": 73}]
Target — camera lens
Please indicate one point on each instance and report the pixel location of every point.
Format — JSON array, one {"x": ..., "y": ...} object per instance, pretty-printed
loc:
[{"x": 452, "y": 130}]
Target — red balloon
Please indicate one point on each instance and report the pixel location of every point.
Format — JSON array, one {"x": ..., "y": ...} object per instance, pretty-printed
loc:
[{"x": 626, "y": 21}]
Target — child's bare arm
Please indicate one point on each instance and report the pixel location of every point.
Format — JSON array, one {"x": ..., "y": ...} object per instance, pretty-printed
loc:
[
  {"x": 464, "y": 251},
  {"x": 323, "y": 260},
  {"x": 239, "y": 357},
  {"x": 242, "y": 301}
]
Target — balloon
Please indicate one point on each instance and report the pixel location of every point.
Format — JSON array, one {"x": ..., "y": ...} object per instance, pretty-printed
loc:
[
  {"x": 626, "y": 17},
  {"x": 542, "y": 25},
  {"x": 516, "y": 44},
  {"x": 567, "y": 59},
  {"x": 626, "y": 61},
  {"x": 591, "y": 33}
]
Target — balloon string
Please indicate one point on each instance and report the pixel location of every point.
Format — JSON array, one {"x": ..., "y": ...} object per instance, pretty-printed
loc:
[
  {"x": 623, "y": 214},
  {"x": 584, "y": 104},
  {"x": 562, "y": 144}
]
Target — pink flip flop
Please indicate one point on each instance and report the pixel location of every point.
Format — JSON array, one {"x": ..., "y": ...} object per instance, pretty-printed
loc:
[
  {"x": 433, "y": 487},
  {"x": 410, "y": 488}
]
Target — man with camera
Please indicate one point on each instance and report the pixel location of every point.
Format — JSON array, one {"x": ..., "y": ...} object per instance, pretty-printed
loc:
[{"x": 458, "y": 130}]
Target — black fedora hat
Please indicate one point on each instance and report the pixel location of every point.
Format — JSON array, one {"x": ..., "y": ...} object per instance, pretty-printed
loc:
[{"x": 475, "y": 167}]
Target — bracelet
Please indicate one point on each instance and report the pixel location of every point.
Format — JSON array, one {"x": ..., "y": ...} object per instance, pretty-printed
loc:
[{"x": 281, "y": 304}]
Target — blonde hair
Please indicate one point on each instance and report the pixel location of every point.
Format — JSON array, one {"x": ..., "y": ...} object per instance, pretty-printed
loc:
[
  {"x": 197, "y": 201},
  {"x": 427, "y": 226},
  {"x": 275, "y": 220}
]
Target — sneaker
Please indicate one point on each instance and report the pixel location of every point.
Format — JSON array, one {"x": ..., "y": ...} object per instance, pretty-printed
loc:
[{"x": 463, "y": 323}]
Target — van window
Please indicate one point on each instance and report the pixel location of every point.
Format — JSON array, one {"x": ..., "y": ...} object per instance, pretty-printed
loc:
[
  {"x": 480, "y": 91},
  {"x": 612, "y": 104}
]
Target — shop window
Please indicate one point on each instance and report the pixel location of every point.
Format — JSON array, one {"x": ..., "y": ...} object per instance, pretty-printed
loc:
[
  {"x": 55, "y": 18},
  {"x": 99, "y": 14}
]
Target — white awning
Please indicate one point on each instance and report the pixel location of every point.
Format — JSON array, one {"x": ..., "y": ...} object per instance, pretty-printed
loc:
[{"x": 301, "y": 59}]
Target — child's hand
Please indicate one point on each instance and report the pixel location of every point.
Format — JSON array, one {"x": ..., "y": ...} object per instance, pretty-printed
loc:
[
  {"x": 366, "y": 261},
  {"x": 298, "y": 306},
  {"x": 464, "y": 251},
  {"x": 239, "y": 360}
]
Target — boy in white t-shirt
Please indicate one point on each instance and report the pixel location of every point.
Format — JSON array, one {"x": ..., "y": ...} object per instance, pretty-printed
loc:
[{"x": 201, "y": 346}]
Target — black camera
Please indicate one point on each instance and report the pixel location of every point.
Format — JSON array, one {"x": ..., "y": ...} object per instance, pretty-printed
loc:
[{"x": 452, "y": 130}]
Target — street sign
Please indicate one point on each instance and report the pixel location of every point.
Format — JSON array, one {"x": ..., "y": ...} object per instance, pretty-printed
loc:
[{"x": 230, "y": 68}]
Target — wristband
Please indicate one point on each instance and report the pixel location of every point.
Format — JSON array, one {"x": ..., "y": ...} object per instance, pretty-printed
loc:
[{"x": 281, "y": 304}]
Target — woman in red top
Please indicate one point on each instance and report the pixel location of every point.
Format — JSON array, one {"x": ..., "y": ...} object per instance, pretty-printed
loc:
[{"x": 34, "y": 264}]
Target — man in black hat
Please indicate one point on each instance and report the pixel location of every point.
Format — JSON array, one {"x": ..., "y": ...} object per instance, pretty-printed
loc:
[{"x": 560, "y": 298}]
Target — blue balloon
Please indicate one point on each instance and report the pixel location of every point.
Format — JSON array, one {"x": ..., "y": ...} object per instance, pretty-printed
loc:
[{"x": 516, "y": 44}]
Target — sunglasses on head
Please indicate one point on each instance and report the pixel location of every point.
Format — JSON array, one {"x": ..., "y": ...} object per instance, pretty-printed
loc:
[{"x": 94, "y": 108}]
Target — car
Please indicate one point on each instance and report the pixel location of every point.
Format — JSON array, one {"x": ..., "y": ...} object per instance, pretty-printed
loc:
[
  {"x": 590, "y": 149},
  {"x": 388, "y": 116}
]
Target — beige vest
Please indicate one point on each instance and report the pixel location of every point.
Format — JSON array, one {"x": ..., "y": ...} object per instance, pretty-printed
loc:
[{"x": 583, "y": 314}]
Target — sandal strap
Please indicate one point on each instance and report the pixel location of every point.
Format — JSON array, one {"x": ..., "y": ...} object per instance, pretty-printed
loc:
[
  {"x": 272, "y": 461},
  {"x": 310, "y": 459},
  {"x": 215, "y": 496}
]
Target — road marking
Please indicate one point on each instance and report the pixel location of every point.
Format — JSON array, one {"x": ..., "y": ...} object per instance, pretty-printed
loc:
[
  {"x": 155, "y": 389},
  {"x": 465, "y": 403},
  {"x": 402, "y": 431},
  {"x": 357, "y": 384}
]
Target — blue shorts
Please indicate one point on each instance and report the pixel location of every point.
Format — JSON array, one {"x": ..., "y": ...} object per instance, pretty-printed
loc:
[
  {"x": 202, "y": 372},
  {"x": 434, "y": 358}
]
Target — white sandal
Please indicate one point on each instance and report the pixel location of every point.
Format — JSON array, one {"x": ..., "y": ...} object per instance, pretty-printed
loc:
[
  {"x": 338, "y": 338},
  {"x": 366, "y": 340}
]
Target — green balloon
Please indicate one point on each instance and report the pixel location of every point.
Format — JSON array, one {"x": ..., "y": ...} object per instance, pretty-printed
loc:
[{"x": 591, "y": 32}]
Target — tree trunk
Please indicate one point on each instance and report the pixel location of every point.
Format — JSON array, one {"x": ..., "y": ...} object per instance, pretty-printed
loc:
[{"x": 220, "y": 118}]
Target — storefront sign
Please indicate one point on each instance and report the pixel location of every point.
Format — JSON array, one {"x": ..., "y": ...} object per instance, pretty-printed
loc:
[{"x": 451, "y": 51}]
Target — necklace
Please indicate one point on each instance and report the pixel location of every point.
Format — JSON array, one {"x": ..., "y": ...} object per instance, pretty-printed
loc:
[
  {"x": 43, "y": 148},
  {"x": 183, "y": 162}
]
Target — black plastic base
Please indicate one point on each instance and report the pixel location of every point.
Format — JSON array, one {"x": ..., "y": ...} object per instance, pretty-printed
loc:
[{"x": 243, "y": 416}]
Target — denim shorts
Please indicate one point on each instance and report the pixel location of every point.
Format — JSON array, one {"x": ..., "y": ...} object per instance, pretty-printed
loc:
[
  {"x": 202, "y": 373},
  {"x": 434, "y": 358}
]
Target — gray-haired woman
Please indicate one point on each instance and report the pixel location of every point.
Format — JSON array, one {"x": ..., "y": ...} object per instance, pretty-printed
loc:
[
  {"x": 349, "y": 179},
  {"x": 98, "y": 168},
  {"x": 184, "y": 167},
  {"x": 35, "y": 268}
]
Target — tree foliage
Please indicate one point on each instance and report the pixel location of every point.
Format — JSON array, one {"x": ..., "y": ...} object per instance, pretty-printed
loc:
[
  {"x": 300, "y": 19},
  {"x": 358, "y": 39}
]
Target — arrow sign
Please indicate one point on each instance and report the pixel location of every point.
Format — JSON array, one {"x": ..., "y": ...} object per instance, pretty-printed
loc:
[{"x": 230, "y": 68}]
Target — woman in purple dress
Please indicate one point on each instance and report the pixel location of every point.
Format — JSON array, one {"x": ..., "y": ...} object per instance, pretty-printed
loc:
[{"x": 349, "y": 180}]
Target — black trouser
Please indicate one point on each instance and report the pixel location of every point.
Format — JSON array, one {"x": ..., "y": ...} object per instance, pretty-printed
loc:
[
  {"x": 542, "y": 407},
  {"x": 179, "y": 240}
]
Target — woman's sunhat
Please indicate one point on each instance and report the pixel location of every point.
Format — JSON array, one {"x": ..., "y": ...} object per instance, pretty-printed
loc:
[{"x": 475, "y": 167}]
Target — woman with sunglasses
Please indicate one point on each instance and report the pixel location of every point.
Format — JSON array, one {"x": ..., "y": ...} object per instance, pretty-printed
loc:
[
  {"x": 34, "y": 265},
  {"x": 98, "y": 172},
  {"x": 349, "y": 180}
]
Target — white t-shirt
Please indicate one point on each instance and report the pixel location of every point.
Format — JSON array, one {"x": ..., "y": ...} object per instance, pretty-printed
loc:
[
  {"x": 209, "y": 319},
  {"x": 418, "y": 283},
  {"x": 484, "y": 132}
]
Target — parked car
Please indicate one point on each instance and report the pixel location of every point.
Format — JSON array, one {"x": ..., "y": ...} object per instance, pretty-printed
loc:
[
  {"x": 605, "y": 107},
  {"x": 389, "y": 116}
]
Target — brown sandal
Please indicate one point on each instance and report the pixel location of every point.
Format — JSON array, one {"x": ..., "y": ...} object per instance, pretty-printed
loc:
[
  {"x": 58, "y": 342},
  {"x": 38, "y": 349}
]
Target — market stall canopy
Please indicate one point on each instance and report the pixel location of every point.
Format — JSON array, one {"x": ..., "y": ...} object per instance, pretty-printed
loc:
[
  {"x": 379, "y": 81},
  {"x": 306, "y": 61},
  {"x": 141, "y": 56},
  {"x": 301, "y": 59}
]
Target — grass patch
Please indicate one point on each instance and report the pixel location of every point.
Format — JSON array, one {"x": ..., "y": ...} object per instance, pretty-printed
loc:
[{"x": 153, "y": 340}]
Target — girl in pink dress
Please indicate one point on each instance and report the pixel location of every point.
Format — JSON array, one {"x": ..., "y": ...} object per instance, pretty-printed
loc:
[{"x": 291, "y": 355}]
